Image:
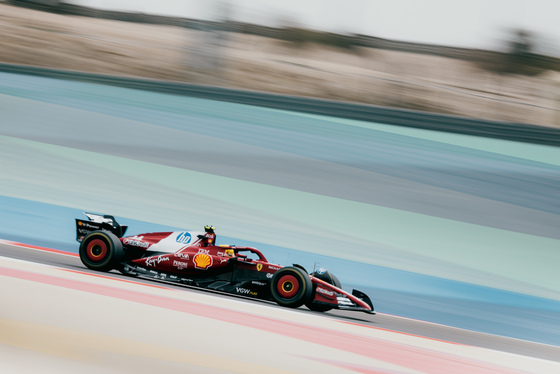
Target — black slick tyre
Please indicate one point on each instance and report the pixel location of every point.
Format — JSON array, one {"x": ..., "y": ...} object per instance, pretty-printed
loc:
[
  {"x": 290, "y": 287},
  {"x": 101, "y": 250}
]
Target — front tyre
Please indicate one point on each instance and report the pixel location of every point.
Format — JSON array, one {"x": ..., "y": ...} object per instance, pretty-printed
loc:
[
  {"x": 290, "y": 287},
  {"x": 101, "y": 250}
]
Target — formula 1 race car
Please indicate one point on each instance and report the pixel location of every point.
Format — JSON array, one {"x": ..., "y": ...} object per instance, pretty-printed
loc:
[{"x": 192, "y": 258}]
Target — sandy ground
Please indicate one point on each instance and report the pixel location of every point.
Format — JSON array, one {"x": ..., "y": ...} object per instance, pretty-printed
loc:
[{"x": 371, "y": 76}]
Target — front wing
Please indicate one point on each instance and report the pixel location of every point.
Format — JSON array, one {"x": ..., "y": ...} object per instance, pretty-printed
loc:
[{"x": 329, "y": 295}]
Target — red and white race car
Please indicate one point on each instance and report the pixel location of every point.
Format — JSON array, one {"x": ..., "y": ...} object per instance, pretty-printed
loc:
[{"x": 192, "y": 258}]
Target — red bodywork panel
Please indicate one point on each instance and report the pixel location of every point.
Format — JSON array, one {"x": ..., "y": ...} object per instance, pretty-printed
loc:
[{"x": 194, "y": 257}]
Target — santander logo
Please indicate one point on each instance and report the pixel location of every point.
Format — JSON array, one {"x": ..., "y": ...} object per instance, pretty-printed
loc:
[{"x": 325, "y": 292}]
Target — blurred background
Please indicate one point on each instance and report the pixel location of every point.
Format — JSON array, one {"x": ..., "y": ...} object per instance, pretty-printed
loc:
[
  {"x": 449, "y": 228},
  {"x": 494, "y": 60}
]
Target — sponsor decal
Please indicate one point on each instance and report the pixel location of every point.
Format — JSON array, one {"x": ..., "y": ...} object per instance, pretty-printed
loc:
[
  {"x": 222, "y": 260},
  {"x": 259, "y": 283},
  {"x": 83, "y": 231},
  {"x": 273, "y": 267},
  {"x": 259, "y": 267},
  {"x": 221, "y": 254},
  {"x": 245, "y": 291},
  {"x": 344, "y": 301},
  {"x": 180, "y": 264},
  {"x": 268, "y": 275},
  {"x": 184, "y": 238},
  {"x": 202, "y": 261},
  {"x": 152, "y": 261},
  {"x": 325, "y": 292},
  {"x": 174, "y": 277},
  {"x": 87, "y": 225},
  {"x": 204, "y": 251},
  {"x": 184, "y": 256},
  {"x": 321, "y": 271},
  {"x": 135, "y": 241}
]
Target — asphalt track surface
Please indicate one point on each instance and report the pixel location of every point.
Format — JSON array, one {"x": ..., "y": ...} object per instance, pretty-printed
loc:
[{"x": 381, "y": 321}]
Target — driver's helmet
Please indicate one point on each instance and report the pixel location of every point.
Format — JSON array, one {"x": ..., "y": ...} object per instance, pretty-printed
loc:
[{"x": 209, "y": 228}]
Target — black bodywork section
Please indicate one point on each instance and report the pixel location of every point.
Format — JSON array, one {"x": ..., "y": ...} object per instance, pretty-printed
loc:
[{"x": 238, "y": 278}]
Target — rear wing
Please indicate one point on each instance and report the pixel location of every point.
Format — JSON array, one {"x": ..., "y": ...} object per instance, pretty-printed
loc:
[{"x": 97, "y": 222}]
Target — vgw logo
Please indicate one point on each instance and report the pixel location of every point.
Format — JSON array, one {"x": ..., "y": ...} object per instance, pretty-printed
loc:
[{"x": 184, "y": 238}]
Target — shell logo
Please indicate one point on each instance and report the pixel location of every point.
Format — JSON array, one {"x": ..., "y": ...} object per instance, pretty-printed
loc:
[{"x": 202, "y": 261}]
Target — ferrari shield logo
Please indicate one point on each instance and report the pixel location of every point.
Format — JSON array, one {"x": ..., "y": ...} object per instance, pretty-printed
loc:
[{"x": 259, "y": 267}]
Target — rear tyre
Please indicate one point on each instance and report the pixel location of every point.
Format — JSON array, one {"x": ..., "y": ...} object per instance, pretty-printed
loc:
[
  {"x": 291, "y": 287},
  {"x": 101, "y": 250},
  {"x": 330, "y": 279}
]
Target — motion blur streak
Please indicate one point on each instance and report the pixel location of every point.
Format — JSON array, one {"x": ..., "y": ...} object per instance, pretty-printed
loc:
[
  {"x": 450, "y": 206},
  {"x": 453, "y": 229}
]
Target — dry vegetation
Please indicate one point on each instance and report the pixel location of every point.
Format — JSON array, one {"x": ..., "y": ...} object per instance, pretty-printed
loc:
[{"x": 366, "y": 75}]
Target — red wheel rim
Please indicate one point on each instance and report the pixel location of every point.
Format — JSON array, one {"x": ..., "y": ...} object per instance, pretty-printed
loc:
[
  {"x": 287, "y": 286},
  {"x": 96, "y": 250}
]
